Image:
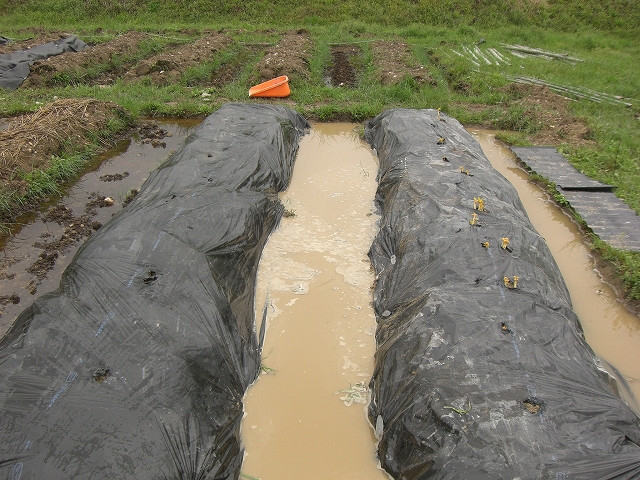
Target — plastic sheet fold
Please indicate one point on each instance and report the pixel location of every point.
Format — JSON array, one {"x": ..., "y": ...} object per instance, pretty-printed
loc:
[
  {"x": 136, "y": 366},
  {"x": 481, "y": 368}
]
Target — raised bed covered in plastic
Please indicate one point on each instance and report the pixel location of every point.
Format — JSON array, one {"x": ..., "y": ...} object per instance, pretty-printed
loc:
[
  {"x": 481, "y": 368},
  {"x": 136, "y": 366}
]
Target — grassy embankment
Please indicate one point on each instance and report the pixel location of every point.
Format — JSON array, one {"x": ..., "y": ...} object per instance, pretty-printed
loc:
[{"x": 603, "y": 33}]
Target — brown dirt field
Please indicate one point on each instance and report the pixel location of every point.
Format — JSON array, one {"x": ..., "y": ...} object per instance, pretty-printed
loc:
[
  {"x": 167, "y": 67},
  {"x": 102, "y": 53},
  {"x": 395, "y": 62},
  {"x": 288, "y": 57},
  {"x": 32, "y": 139},
  {"x": 342, "y": 72},
  {"x": 552, "y": 114}
]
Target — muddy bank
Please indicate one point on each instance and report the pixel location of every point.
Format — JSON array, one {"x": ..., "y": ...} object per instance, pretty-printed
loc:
[{"x": 44, "y": 242}]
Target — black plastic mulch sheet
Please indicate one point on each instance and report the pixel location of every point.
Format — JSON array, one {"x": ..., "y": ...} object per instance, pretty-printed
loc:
[
  {"x": 475, "y": 378},
  {"x": 136, "y": 367},
  {"x": 15, "y": 66}
]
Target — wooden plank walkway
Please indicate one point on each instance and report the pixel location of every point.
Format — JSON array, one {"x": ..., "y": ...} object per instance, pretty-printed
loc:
[
  {"x": 607, "y": 215},
  {"x": 549, "y": 163}
]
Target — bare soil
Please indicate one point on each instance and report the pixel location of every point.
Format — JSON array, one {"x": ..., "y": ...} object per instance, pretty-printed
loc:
[
  {"x": 152, "y": 133},
  {"x": 167, "y": 67},
  {"x": 552, "y": 115},
  {"x": 114, "y": 177},
  {"x": 288, "y": 57},
  {"x": 342, "y": 72},
  {"x": 395, "y": 62},
  {"x": 76, "y": 229},
  {"x": 45, "y": 72}
]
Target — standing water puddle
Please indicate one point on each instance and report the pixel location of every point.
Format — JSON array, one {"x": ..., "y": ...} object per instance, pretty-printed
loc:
[
  {"x": 306, "y": 415},
  {"x": 122, "y": 168},
  {"x": 611, "y": 330}
]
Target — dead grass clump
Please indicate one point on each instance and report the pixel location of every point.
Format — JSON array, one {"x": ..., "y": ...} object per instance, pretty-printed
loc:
[{"x": 32, "y": 139}]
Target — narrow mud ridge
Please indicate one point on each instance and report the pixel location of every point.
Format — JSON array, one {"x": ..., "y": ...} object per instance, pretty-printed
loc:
[
  {"x": 76, "y": 66},
  {"x": 342, "y": 73},
  {"x": 167, "y": 67},
  {"x": 35, "y": 257},
  {"x": 305, "y": 416},
  {"x": 611, "y": 330},
  {"x": 288, "y": 57}
]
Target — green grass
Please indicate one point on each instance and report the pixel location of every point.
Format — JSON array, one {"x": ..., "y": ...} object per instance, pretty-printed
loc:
[
  {"x": 563, "y": 15},
  {"x": 41, "y": 184}
]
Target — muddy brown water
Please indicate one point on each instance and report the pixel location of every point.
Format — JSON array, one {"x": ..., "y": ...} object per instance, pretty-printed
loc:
[
  {"x": 305, "y": 417},
  {"x": 612, "y": 331},
  {"x": 132, "y": 156}
]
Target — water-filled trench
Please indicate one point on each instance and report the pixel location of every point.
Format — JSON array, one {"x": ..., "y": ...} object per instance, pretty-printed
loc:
[
  {"x": 612, "y": 331},
  {"x": 305, "y": 416}
]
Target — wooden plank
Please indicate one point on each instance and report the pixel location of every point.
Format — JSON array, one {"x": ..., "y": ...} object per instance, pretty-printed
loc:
[
  {"x": 549, "y": 163},
  {"x": 608, "y": 216}
]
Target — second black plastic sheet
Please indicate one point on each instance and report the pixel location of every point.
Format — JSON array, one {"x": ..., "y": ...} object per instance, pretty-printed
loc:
[
  {"x": 478, "y": 374},
  {"x": 15, "y": 66}
]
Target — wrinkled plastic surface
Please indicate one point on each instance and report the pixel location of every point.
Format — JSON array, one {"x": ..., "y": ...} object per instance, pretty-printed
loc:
[
  {"x": 474, "y": 379},
  {"x": 14, "y": 66},
  {"x": 136, "y": 367}
]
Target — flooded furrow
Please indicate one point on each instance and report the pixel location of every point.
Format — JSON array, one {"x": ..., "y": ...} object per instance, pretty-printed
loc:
[
  {"x": 612, "y": 331},
  {"x": 41, "y": 247},
  {"x": 305, "y": 416}
]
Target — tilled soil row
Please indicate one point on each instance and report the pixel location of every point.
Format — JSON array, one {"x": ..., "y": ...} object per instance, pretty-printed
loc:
[
  {"x": 44, "y": 72},
  {"x": 289, "y": 57},
  {"x": 342, "y": 73},
  {"x": 167, "y": 67},
  {"x": 395, "y": 62}
]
